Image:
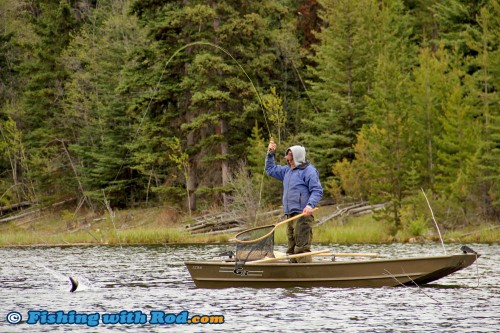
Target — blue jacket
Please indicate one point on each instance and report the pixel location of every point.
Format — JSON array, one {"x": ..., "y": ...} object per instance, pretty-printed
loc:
[{"x": 301, "y": 186}]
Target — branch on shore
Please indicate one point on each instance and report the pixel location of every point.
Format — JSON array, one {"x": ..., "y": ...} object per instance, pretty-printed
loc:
[
  {"x": 223, "y": 223},
  {"x": 235, "y": 222},
  {"x": 351, "y": 210},
  {"x": 24, "y": 214},
  {"x": 18, "y": 205}
]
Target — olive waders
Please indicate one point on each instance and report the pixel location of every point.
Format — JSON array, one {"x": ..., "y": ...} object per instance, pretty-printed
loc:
[{"x": 299, "y": 234}]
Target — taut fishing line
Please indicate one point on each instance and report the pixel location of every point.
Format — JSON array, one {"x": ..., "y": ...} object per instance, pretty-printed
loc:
[
  {"x": 155, "y": 91},
  {"x": 219, "y": 48}
]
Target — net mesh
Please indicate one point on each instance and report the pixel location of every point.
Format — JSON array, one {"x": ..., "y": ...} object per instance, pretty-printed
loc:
[{"x": 255, "y": 244}]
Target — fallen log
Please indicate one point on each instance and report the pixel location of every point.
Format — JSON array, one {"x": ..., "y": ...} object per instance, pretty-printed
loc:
[
  {"x": 218, "y": 229},
  {"x": 213, "y": 225},
  {"x": 15, "y": 217},
  {"x": 340, "y": 211},
  {"x": 225, "y": 222},
  {"x": 211, "y": 218},
  {"x": 352, "y": 210},
  {"x": 17, "y": 205},
  {"x": 24, "y": 214},
  {"x": 366, "y": 209},
  {"x": 226, "y": 231}
]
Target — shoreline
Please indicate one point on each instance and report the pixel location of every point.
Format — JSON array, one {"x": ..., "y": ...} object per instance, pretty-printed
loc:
[
  {"x": 83, "y": 244},
  {"x": 159, "y": 226}
]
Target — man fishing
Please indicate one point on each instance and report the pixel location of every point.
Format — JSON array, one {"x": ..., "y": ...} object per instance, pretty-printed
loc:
[{"x": 302, "y": 191}]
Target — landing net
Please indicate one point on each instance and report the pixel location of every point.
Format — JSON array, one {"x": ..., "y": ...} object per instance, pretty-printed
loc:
[{"x": 255, "y": 244}]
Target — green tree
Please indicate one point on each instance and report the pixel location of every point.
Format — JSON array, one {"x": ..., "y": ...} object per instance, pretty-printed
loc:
[
  {"x": 16, "y": 35},
  {"x": 43, "y": 93},
  {"x": 429, "y": 92},
  {"x": 268, "y": 188},
  {"x": 382, "y": 157},
  {"x": 484, "y": 39},
  {"x": 422, "y": 20},
  {"x": 450, "y": 18},
  {"x": 356, "y": 33},
  {"x": 273, "y": 106},
  {"x": 457, "y": 142},
  {"x": 95, "y": 111},
  {"x": 213, "y": 101},
  {"x": 345, "y": 62},
  {"x": 19, "y": 185},
  {"x": 387, "y": 136}
]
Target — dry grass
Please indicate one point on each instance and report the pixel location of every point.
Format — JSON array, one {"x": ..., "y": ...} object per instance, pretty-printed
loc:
[
  {"x": 164, "y": 225},
  {"x": 486, "y": 233},
  {"x": 355, "y": 230}
]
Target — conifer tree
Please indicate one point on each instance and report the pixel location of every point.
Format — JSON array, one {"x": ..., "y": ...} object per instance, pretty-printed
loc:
[
  {"x": 484, "y": 84},
  {"x": 96, "y": 112},
  {"x": 7, "y": 72},
  {"x": 53, "y": 23},
  {"x": 344, "y": 70},
  {"x": 95, "y": 102},
  {"x": 268, "y": 188},
  {"x": 382, "y": 155},
  {"x": 356, "y": 34},
  {"x": 44, "y": 90},
  {"x": 212, "y": 97},
  {"x": 450, "y": 18},
  {"x": 387, "y": 148},
  {"x": 430, "y": 90},
  {"x": 16, "y": 182},
  {"x": 457, "y": 142}
]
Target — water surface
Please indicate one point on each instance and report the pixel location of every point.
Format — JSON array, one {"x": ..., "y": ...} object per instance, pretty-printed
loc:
[{"x": 143, "y": 279}]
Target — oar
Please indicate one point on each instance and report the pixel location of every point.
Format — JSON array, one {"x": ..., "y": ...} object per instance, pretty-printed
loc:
[
  {"x": 270, "y": 232},
  {"x": 291, "y": 256},
  {"x": 373, "y": 255}
]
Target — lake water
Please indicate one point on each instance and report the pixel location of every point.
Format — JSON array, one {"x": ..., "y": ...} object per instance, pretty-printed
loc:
[{"x": 132, "y": 283}]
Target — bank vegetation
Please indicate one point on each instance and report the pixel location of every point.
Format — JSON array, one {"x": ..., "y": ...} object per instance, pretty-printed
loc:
[
  {"x": 155, "y": 226},
  {"x": 121, "y": 104}
]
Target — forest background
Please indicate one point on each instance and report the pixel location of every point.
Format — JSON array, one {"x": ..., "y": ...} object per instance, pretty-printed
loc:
[{"x": 121, "y": 103}]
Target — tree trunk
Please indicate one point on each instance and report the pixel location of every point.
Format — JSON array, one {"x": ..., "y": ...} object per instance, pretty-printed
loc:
[
  {"x": 191, "y": 178},
  {"x": 224, "y": 149},
  {"x": 221, "y": 129}
]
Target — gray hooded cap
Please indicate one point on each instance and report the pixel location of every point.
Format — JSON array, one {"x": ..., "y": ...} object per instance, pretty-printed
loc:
[{"x": 299, "y": 154}]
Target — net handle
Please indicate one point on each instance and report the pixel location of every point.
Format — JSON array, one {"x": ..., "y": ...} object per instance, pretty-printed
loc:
[{"x": 270, "y": 232}]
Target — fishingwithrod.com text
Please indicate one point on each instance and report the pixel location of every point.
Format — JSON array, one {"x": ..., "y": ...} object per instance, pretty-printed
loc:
[{"x": 124, "y": 317}]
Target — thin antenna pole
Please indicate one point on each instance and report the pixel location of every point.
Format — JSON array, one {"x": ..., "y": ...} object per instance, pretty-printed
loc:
[
  {"x": 112, "y": 215},
  {"x": 435, "y": 222}
]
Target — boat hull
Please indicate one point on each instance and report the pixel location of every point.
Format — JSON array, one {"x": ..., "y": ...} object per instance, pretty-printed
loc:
[{"x": 373, "y": 273}]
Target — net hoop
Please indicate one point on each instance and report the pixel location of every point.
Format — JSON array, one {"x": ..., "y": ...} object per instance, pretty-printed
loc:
[
  {"x": 241, "y": 241},
  {"x": 266, "y": 226}
]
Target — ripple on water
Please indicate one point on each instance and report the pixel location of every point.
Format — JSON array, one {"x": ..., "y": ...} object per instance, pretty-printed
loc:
[{"x": 150, "y": 278}]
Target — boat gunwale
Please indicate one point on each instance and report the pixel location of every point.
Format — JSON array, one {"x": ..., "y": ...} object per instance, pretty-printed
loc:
[
  {"x": 213, "y": 262},
  {"x": 368, "y": 277}
]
